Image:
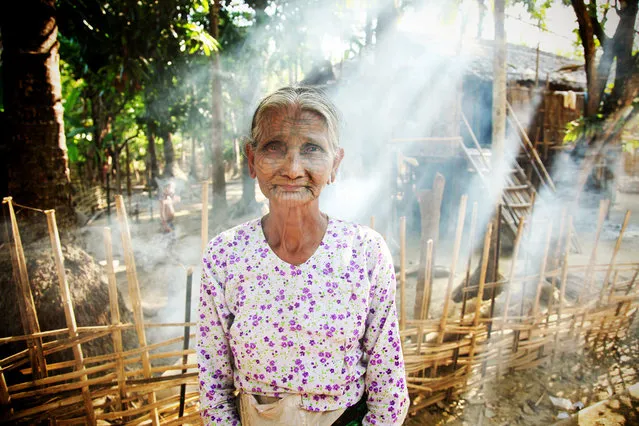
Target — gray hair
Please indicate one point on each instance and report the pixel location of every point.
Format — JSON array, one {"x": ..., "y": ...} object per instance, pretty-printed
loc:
[{"x": 306, "y": 98}]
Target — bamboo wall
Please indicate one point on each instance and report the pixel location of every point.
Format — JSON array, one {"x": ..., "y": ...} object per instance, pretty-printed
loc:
[{"x": 444, "y": 356}]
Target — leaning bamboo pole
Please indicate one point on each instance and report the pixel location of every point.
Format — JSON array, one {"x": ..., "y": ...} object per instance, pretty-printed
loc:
[
  {"x": 134, "y": 294},
  {"x": 69, "y": 313},
  {"x": 562, "y": 289},
  {"x": 25, "y": 299},
  {"x": 402, "y": 271},
  {"x": 461, "y": 215},
  {"x": 116, "y": 335},
  {"x": 205, "y": 215}
]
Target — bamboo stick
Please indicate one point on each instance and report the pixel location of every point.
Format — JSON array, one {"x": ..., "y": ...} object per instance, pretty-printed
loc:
[
  {"x": 134, "y": 294},
  {"x": 205, "y": 215},
  {"x": 480, "y": 291},
  {"x": 372, "y": 223},
  {"x": 603, "y": 211},
  {"x": 471, "y": 245},
  {"x": 25, "y": 299},
  {"x": 428, "y": 283},
  {"x": 611, "y": 264},
  {"x": 69, "y": 314},
  {"x": 542, "y": 272},
  {"x": 513, "y": 270},
  {"x": 5, "y": 398},
  {"x": 402, "y": 270},
  {"x": 47, "y": 381},
  {"x": 187, "y": 318},
  {"x": 562, "y": 290},
  {"x": 461, "y": 215},
  {"x": 116, "y": 335}
]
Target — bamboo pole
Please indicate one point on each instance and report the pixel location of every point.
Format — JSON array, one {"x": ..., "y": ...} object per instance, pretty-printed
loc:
[
  {"x": 513, "y": 266},
  {"x": 25, "y": 300},
  {"x": 205, "y": 214},
  {"x": 562, "y": 291},
  {"x": 5, "y": 398},
  {"x": 461, "y": 215},
  {"x": 187, "y": 318},
  {"x": 603, "y": 211},
  {"x": 471, "y": 245},
  {"x": 613, "y": 258},
  {"x": 428, "y": 282},
  {"x": 69, "y": 314},
  {"x": 134, "y": 294},
  {"x": 116, "y": 335},
  {"x": 402, "y": 270}
]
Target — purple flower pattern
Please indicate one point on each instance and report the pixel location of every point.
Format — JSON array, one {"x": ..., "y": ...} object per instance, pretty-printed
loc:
[{"x": 326, "y": 329}]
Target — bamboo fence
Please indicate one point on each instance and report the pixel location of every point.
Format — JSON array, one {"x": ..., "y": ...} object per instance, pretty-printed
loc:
[{"x": 444, "y": 357}]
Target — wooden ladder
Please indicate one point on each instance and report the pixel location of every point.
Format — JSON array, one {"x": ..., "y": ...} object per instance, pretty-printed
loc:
[{"x": 518, "y": 195}]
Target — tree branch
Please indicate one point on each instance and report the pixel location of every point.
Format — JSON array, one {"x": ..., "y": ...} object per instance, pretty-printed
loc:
[{"x": 596, "y": 25}]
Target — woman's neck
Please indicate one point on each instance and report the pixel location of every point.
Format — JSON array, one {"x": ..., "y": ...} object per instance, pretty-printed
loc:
[{"x": 294, "y": 233}]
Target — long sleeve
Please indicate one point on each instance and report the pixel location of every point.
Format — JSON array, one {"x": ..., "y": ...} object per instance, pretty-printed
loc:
[
  {"x": 214, "y": 357},
  {"x": 385, "y": 376}
]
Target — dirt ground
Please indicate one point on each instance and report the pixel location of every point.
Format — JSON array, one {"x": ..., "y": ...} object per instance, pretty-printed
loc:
[{"x": 521, "y": 398}]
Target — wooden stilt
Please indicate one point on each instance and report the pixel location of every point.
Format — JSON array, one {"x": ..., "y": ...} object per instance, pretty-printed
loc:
[
  {"x": 562, "y": 289},
  {"x": 25, "y": 299},
  {"x": 613, "y": 258},
  {"x": 513, "y": 271},
  {"x": 402, "y": 270},
  {"x": 471, "y": 246},
  {"x": 461, "y": 215},
  {"x": 116, "y": 335},
  {"x": 428, "y": 283},
  {"x": 187, "y": 333},
  {"x": 205, "y": 214},
  {"x": 134, "y": 294},
  {"x": 69, "y": 314}
]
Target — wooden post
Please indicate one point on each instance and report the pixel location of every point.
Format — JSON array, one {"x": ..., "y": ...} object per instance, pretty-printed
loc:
[
  {"x": 430, "y": 208},
  {"x": 205, "y": 214},
  {"x": 134, "y": 294},
  {"x": 187, "y": 334},
  {"x": 513, "y": 267},
  {"x": 25, "y": 300},
  {"x": 471, "y": 245},
  {"x": 603, "y": 212},
  {"x": 69, "y": 314},
  {"x": 613, "y": 258},
  {"x": 428, "y": 282},
  {"x": 5, "y": 398},
  {"x": 402, "y": 271},
  {"x": 562, "y": 291},
  {"x": 116, "y": 335}
]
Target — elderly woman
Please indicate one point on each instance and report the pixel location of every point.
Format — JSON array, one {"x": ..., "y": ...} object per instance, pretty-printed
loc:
[{"x": 297, "y": 316}]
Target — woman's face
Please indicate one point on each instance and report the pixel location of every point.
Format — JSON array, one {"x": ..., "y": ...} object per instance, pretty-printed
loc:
[{"x": 293, "y": 159}]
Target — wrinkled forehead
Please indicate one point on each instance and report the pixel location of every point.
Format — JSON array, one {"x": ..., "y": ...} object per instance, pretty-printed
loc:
[{"x": 279, "y": 119}]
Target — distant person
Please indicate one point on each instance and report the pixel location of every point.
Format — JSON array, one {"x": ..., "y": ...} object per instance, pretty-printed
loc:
[
  {"x": 168, "y": 198},
  {"x": 297, "y": 318}
]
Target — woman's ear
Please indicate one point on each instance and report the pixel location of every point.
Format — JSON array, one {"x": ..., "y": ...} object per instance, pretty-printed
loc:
[
  {"x": 339, "y": 155},
  {"x": 250, "y": 155}
]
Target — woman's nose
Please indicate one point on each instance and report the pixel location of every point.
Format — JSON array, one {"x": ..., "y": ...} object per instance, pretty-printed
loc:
[{"x": 293, "y": 167}]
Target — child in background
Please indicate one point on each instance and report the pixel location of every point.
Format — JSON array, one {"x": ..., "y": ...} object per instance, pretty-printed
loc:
[{"x": 167, "y": 207}]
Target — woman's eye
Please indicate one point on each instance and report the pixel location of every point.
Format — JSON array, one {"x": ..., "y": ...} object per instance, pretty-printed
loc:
[
  {"x": 272, "y": 146},
  {"x": 313, "y": 148}
]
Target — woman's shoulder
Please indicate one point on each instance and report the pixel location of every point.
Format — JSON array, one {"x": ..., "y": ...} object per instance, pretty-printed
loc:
[
  {"x": 359, "y": 233},
  {"x": 237, "y": 236}
]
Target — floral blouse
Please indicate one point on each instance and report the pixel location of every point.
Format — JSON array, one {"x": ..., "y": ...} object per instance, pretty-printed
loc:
[{"x": 326, "y": 329}]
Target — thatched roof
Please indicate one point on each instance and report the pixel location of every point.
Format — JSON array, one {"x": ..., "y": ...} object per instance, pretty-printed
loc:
[{"x": 562, "y": 73}]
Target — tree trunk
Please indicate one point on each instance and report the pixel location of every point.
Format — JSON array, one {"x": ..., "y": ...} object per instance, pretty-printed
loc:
[
  {"x": 153, "y": 158},
  {"x": 626, "y": 78},
  {"x": 219, "y": 184},
  {"x": 586, "y": 33},
  {"x": 169, "y": 155},
  {"x": 37, "y": 169}
]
